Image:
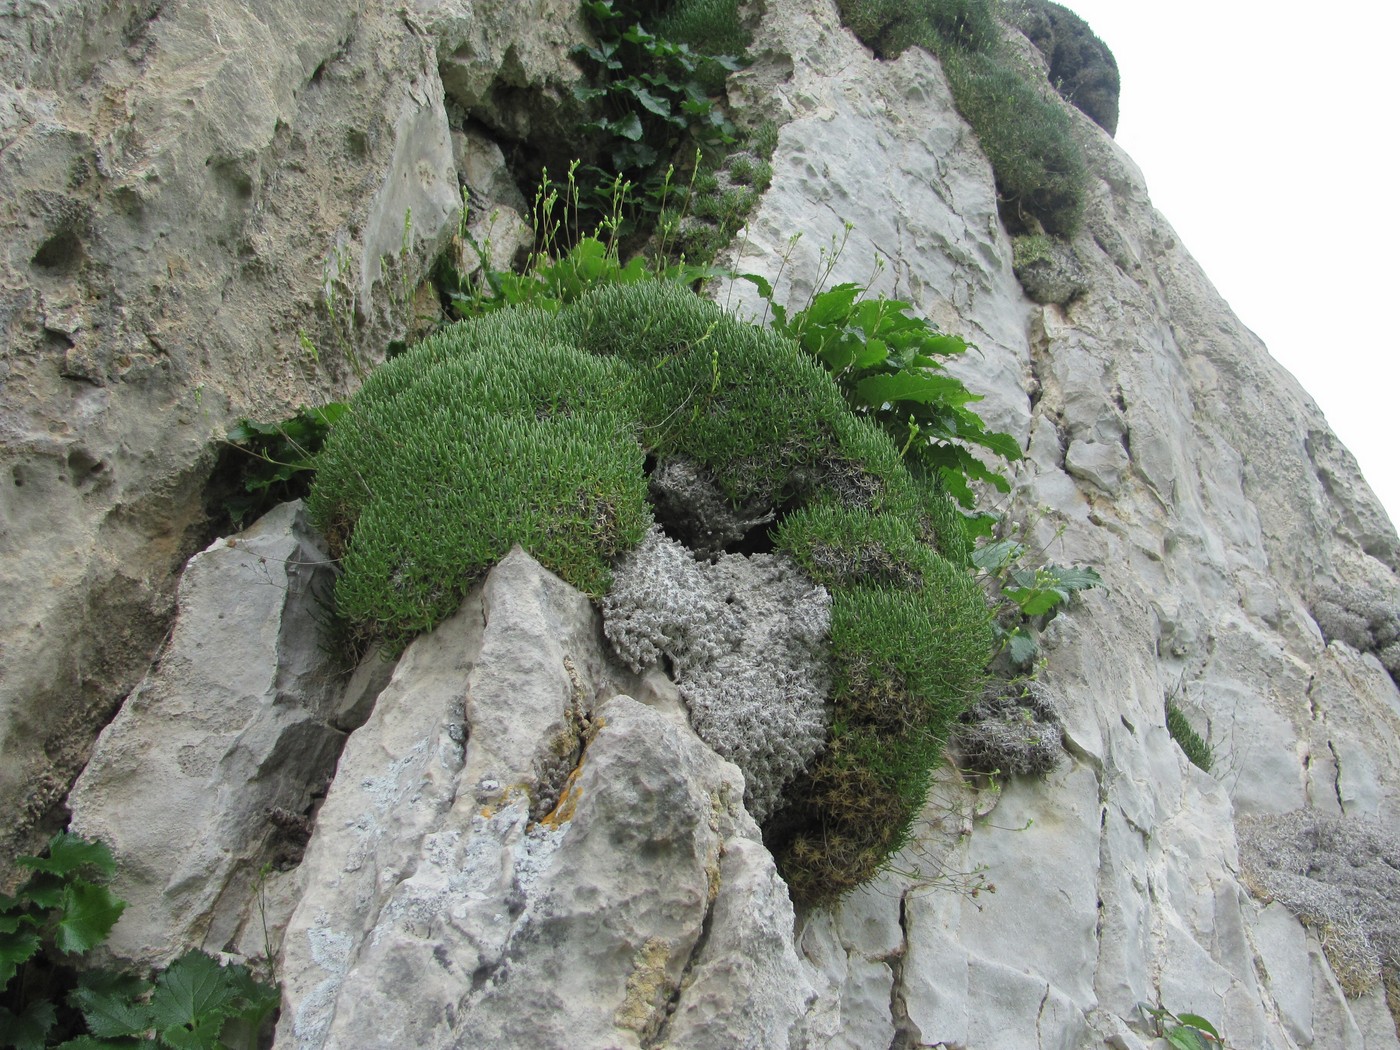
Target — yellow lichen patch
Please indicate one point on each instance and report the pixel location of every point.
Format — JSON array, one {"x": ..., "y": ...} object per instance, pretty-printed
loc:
[{"x": 648, "y": 987}]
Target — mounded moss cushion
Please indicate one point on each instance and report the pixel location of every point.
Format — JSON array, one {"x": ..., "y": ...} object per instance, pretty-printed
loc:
[{"x": 533, "y": 427}]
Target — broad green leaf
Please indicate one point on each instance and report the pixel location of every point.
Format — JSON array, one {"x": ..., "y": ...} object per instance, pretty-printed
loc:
[
  {"x": 761, "y": 283},
  {"x": 955, "y": 484},
  {"x": 907, "y": 386},
  {"x": 89, "y": 913},
  {"x": 833, "y": 305},
  {"x": 1080, "y": 578},
  {"x": 15, "y": 948},
  {"x": 1022, "y": 648},
  {"x": 201, "y": 1036},
  {"x": 584, "y": 93},
  {"x": 654, "y": 103},
  {"x": 192, "y": 989},
  {"x": 1197, "y": 1021},
  {"x": 27, "y": 1030},
  {"x": 111, "y": 1014},
  {"x": 256, "y": 1000},
  {"x": 67, "y": 853},
  {"x": 1186, "y": 1039},
  {"x": 993, "y": 557},
  {"x": 1004, "y": 445},
  {"x": 945, "y": 345},
  {"x": 1036, "y": 601}
]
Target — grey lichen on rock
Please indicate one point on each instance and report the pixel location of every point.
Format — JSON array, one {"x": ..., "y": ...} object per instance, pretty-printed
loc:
[
  {"x": 1340, "y": 876},
  {"x": 1362, "y": 617},
  {"x": 1048, "y": 269},
  {"x": 746, "y": 638}
]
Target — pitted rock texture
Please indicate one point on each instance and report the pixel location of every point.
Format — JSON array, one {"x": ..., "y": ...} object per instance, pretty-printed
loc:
[
  {"x": 441, "y": 909},
  {"x": 746, "y": 638},
  {"x": 1166, "y": 448},
  {"x": 208, "y": 770},
  {"x": 191, "y": 188}
]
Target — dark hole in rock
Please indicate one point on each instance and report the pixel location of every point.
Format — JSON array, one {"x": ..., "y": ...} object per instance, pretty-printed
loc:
[{"x": 61, "y": 253}]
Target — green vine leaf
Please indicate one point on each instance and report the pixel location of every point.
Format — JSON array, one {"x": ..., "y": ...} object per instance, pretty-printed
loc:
[
  {"x": 89, "y": 913},
  {"x": 27, "y": 1030}
]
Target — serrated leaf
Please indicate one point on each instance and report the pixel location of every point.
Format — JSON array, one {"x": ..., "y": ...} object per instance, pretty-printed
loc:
[
  {"x": 89, "y": 913},
  {"x": 193, "y": 988},
  {"x": 1079, "y": 578},
  {"x": 111, "y": 1014},
  {"x": 16, "y": 948},
  {"x": 28, "y": 1029},
  {"x": 993, "y": 557},
  {"x": 202, "y": 1036},
  {"x": 1022, "y": 648},
  {"x": 67, "y": 853}
]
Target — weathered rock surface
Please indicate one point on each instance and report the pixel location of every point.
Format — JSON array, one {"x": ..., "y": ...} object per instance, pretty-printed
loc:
[
  {"x": 523, "y": 846},
  {"x": 189, "y": 188},
  {"x": 512, "y": 854},
  {"x": 207, "y": 772},
  {"x": 1192, "y": 470}
]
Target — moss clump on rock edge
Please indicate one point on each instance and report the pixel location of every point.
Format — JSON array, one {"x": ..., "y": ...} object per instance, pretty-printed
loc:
[{"x": 535, "y": 428}]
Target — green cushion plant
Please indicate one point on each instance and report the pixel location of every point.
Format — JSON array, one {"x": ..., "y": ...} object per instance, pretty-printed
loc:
[{"x": 533, "y": 426}]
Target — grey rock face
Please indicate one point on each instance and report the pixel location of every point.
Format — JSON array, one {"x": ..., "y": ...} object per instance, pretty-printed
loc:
[
  {"x": 746, "y": 637},
  {"x": 514, "y": 855},
  {"x": 193, "y": 187},
  {"x": 1167, "y": 449},
  {"x": 205, "y": 774}
]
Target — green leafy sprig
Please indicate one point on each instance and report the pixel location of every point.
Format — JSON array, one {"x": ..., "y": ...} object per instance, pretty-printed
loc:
[{"x": 65, "y": 909}]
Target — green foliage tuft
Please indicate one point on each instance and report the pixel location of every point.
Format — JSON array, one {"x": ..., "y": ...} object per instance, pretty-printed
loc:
[
  {"x": 1028, "y": 137},
  {"x": 491, "y": 433},
  {"x": 906, "y": 662},
  {"x": 65, "y": 909},
  {"x": 1025, "y": 133},
  {"x": 1196, "y": 749}
]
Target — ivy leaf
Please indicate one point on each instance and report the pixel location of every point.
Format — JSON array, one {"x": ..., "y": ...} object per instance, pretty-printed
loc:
[
  {"x": 68, "y": 853},
  {"x": 89, "y": 913},
  {"x": 193, "y": 990},
  {"x": 27, "y": 1030}
]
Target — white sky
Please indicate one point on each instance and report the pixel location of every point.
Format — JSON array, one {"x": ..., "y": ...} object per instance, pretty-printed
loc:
[{"x": 1269, "y": 135}]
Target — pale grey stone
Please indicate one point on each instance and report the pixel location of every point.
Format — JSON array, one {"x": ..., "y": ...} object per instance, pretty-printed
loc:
[{"x": 226, "y": 735}]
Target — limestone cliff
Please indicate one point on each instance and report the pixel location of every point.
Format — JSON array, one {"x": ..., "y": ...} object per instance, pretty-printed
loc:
[{"x": 175, "y": 217}]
